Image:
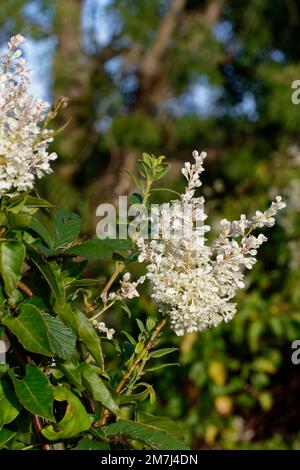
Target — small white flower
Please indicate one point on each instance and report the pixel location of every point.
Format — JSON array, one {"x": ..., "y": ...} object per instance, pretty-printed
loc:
[{"x": 101, "y": 327}]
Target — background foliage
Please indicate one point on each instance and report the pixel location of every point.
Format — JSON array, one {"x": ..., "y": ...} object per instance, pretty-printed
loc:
[{"x": 168, "y": 77}]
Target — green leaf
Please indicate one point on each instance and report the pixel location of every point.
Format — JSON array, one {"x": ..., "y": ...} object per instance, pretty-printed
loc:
[
  {"x": 86, "y": 282},
  {"x": 30, "y": 329},
  {"x": 74, "y": 318},
  {"x": 20, "y": 220},
  {"x": 42, "y": 231},
  {"x": 148, "y": 159},
  {"x": 161, "y": 366},
  {"x": 130, "y": 338},
  {"x": 125, "y": 399},
  {"x": 34, "y": 201},
  {"x": 75, "y": 420},
  {"x": 150, "y": 323},
  {"x": 34, "y": 392},
  {"x": 99, "y": 390},
  {"x": 136, "y": 181},
  {"x": 161, "y": 170},
  {"x": 72, "y": 371},
  {"x": 145, "y": 169},
  {"x": 50, "y": 271},
  {"x": 83, "y": 328},
  {"x": 9, "y": 405},
  {"x": 125, "y": 307},
  {"x": 133, "y": 257},
  {"x": 66, "y": 228},
  {"x": 136, "y": 198},
  {"x": 162, "y": 352},
  {"x": 92, "y": 250},
  {"x": 139, "y": 347},
  {"x": 141, "y": 325},
  {"x": 40, "y": 332},
  {"x": 99, "y": 249},
  {"x": 166, "y": 190},
  {"x": 161, "y": 422},
  {"x": 12, "y": 254},
  {"x": 150, "y": 435},
  {"x": 61, "y": 339},
  {"x": 128, "y": 350},
  {"x": 5, "y": 436},
  {"x": 15, "y": 204},
  {"x": 91, "y": 444},
  {"x": 3, "y": 369}
]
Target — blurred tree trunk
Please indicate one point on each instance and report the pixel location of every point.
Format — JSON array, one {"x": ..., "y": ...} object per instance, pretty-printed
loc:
[
  {"x": 72, "y": 78},
  {"x": 153, "y": 86}
]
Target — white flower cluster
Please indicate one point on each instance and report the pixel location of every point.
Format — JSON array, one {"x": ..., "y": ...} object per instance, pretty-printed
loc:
[
  {"x": 23, "y": 141},
  {"x": 102, "y": 328},
  {"x": 127, "y": 289},
  {"x": 192, "y": 282}
]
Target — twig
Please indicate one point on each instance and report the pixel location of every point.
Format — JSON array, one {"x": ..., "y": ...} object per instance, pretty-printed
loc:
[
  {"x": 130, "y": 370},
  {"x": 118, "y": 270},
  {"x": 25, "y": 288}
]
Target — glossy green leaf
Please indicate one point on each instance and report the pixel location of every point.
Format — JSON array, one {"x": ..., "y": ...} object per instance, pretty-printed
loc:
[
  {"x": 130, "y": 338},
  {"x": 134, "y": 397},
  {"x": 161, "y": 422},
  {"x": 50, "y": 272},
  {"x": 150, "y": 323},
  {"x": 61, "y": 338},
  {"x": 34, "y": 201},
  {"x": 141, "y": 325},
  {"x": 43, "y": 232},
  {"x": 40, "y": 332},
  {"x": 77, "y": 321},
  {"x": 99, "y": 249},
  {"x": 9, "y": 405},
  {"x": 136, "y": 181},
  {"x": 12, "y": 254},
  {"x": 84, "y": 329},
  {"x": 161, "y": 366},
  {"x": 145, "y": 169},
  {"x": 150, "y": 435},
  {"x": 3, "y": 369},
  {"x": 126, "y": 309},
  {"x": 72, "y": 371},
  {"x": 30, "y": 329},
  {"x": 92, "y": 250},
  {"x": 75, "y": 420},
  {"x": 161, "y": 170},
  {"x": 35, "y": 392},
  {"x": 99, "y": 390},
  {"x": 162, "y": 352},
  {"x": 5, "y": 436},
  {"x": 91, "y": 444},
  {"x": 87, "y": 282}
]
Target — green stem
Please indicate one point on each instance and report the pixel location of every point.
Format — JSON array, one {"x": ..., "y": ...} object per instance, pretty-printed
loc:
[
  {"x": 142, "y": 356},
  {"x": 102, "y": 310},
  {"x": 147, "y": 191}
]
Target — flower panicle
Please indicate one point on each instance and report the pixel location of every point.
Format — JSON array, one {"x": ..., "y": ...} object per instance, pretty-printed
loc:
[
  {"x": 194, "y": 283},
  {"x": 24, "y": 140}
]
